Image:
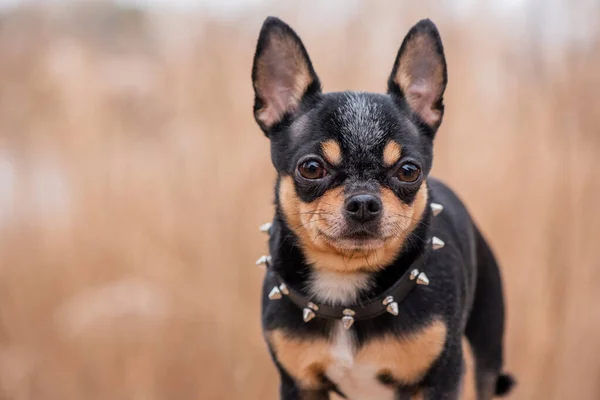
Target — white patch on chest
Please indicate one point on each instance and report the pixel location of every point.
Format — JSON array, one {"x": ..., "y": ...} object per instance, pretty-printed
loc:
[
  {"x": 336, "y": 288},
  {"x": 356, "y": 381}
]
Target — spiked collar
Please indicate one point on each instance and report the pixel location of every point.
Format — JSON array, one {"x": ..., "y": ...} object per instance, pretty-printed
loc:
[{"x": 388, "y": 301}]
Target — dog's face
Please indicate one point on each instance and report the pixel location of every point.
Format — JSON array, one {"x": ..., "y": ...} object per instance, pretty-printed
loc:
[{"x": 352, "y": 167}]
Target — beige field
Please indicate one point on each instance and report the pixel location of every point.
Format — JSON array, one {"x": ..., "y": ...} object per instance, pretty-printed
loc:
[{"x": 133, "y": 178}]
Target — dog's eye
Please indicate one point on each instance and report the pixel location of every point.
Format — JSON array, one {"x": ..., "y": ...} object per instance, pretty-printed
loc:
[
  {"x": 312, "y": 169},
  {"x": 409, "y": 172}
]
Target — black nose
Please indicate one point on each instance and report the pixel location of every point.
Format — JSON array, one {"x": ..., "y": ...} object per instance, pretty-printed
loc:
[{"x": 363, "y": 207}]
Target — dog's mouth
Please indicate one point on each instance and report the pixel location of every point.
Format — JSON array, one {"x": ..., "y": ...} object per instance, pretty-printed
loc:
[{"x": 355, "y": 241}]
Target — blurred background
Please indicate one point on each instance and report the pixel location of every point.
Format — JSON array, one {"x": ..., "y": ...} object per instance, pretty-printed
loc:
[{"x": 133, "y": 179}]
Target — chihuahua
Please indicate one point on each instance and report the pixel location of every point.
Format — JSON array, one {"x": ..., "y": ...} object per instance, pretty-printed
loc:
[{"x": 379, "y": 285}]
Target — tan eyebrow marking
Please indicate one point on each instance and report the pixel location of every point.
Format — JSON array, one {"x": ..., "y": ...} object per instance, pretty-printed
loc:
[
  {"x": 391, "y": 153},
  {"x": 332, "y": 151}
]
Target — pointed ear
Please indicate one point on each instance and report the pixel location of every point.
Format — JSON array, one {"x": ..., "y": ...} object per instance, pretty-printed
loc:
[
  {"x": 282, "y": 74},
  {"x": 419, "y": 75}
]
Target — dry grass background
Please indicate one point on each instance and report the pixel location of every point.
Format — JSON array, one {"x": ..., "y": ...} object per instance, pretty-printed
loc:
[{"x": 132, "y": 180}]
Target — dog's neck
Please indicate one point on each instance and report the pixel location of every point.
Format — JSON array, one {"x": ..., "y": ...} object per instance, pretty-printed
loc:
[{"x": 340, "y": 288}]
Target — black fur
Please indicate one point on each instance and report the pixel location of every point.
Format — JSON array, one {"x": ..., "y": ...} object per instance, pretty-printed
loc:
[
  {"x": 504, "y": 384},
  {"x": 465, "y": 289}
]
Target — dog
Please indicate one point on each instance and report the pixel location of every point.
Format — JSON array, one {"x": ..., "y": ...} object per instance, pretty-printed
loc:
[{"x": 379, "y": 285}]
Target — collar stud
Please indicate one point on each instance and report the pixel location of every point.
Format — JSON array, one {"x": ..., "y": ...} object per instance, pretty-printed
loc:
[
  {"x": 391, "y": 305},
  {"x": 413, "y": 274},
  {"x": 263, "y": 261},
  {"x": 265, "y": 228},
  {"x": 392, "y": 308},
  {"x": 422, "y": 279},
  {"x": 275, "y": 293},
  {"x": 348, "y": 318},
  {"x": 436, "y": 209},
  {"x": 307, "y": 314},
  {"x": 284, "y": 289},
  {"x": 437, "y": 243}
]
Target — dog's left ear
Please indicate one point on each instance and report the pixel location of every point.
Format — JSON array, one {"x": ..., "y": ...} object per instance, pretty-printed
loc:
[
  {"x": 282, "y": 75},
  {"x": 419, "y": 75}
]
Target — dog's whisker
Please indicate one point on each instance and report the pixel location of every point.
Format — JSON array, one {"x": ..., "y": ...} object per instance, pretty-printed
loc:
[{"x": 297, "y": 234}]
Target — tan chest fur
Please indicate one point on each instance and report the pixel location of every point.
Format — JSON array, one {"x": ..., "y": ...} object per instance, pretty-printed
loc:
[{"x": 355, "y": 369}]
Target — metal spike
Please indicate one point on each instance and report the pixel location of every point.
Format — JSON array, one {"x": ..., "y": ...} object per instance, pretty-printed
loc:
[
  {"x": 266, "y": 260},
  {"x": 347, "y": 321},
  {"x": 275, "y": 294},
  {"x": 265, "y": 228},
  {"x": 308, "y": 314},
  {"x": 437, "y": 243},
  {"x": 392, "y": 308},
  {"x": 436, "y": 208},
  {"x": 423, "y": 279},
  {"x": 284, "y": 289},
  {"x": 413, "y": 274},
  {"x": 348, "y": 318}
]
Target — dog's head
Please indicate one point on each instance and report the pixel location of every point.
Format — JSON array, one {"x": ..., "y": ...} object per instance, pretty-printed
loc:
[{"x": 352, "y": 167}]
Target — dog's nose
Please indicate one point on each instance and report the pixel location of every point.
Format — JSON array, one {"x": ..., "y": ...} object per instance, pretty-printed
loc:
[{"x": 363, "y": 207}]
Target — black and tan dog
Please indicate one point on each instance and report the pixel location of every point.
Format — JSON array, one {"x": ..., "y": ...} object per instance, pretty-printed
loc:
[{"x": 379, "y": 285}]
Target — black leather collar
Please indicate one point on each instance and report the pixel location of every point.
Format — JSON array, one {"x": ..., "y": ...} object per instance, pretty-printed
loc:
[{"x": 361, "y": 311}]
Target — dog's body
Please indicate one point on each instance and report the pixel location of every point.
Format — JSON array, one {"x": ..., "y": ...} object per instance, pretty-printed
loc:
[{"x": 353, "y": 216}]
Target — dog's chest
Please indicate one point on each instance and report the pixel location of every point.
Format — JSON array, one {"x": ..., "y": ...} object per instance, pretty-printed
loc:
[
  {"x": 352, "y": 373},
  {"x": 355, "y": 378},
  {"x": 355, "y": 369}
]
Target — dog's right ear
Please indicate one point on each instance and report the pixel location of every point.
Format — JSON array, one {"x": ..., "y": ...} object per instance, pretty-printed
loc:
[{"x": 282, "y": 74}]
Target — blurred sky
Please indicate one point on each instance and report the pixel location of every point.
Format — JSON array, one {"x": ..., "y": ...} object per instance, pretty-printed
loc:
[
  {"x": 232, "y": 5},
  {"x": 556, "y": 21}
]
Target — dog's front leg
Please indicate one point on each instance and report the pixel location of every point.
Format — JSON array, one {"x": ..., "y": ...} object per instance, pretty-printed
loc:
[
  {"x": 445, "y": 380},
  {"x": 438, "y": 394}
]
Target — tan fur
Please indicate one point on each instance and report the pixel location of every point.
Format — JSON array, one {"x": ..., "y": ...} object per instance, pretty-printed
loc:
[
  {"x": 316, "y": 222},
  {"x": 399, "y": 219},
  {"x": 469, "y": 384},
  {"x": 391, "y": 153},
  {"x": 332, "y": 152},
  {"x": 304, "y": 360},
  {"x": 282, "y": 78},
  {"x": 421, "y": 78},
  {"x": 406, "y": 358}
]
